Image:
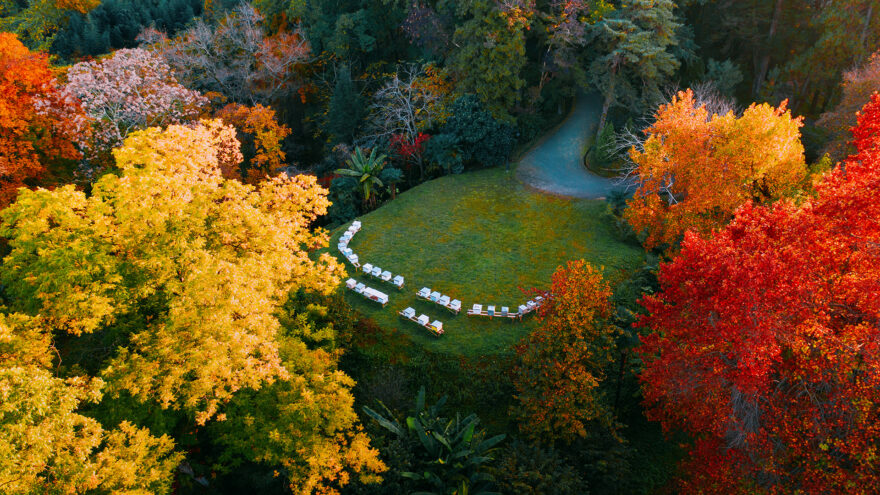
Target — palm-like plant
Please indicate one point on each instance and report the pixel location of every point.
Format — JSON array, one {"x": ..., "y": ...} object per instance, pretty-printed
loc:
[
  {"x": 453, "y": 450},
  {"x": 366, "y": 169}
]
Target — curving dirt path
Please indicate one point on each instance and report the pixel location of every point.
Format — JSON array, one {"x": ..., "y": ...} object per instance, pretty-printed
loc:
[{"x": 555, "y": 165}]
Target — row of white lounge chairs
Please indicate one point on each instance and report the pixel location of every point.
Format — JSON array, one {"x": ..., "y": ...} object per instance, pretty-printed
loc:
[
  {"x": 435, "y": 327},
  {"x": 504, "y": 311},
  {"x": 453, "y": 305},
  {"x": 368, "y": 292},
  {"x": 369, "y": 269}
]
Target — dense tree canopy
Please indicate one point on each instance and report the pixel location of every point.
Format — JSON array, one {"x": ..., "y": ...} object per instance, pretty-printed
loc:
[
  {"x": 695, "y": 168},
  {"x": 39, "y": 123},
  {"x": 764, "y": 343},
  {"x": 563, "y": 363}
]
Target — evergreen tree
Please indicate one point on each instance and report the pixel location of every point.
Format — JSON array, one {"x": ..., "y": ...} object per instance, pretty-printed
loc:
[{"x": 346, "y": 109}]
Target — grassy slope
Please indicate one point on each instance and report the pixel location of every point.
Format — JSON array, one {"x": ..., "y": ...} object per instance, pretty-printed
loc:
[{"x": 478, "y": 237}]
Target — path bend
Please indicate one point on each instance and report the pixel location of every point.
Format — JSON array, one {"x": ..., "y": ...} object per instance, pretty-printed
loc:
[{"x": 555, "y": 165}]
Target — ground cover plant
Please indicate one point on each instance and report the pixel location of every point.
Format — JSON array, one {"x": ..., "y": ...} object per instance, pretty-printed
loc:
[{"x": 479, "y": 237}]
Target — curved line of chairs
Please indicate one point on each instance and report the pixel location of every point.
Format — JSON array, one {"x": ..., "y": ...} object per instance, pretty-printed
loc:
[{"x": 454, "y": 305}]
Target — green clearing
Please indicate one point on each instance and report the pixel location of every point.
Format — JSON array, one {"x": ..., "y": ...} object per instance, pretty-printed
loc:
[{"x": 478, "y": 237}]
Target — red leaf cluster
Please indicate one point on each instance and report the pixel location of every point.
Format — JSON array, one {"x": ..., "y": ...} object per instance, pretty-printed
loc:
[
  {"x": 766, "y": 340},
  {"x": 38, "y": 122}
]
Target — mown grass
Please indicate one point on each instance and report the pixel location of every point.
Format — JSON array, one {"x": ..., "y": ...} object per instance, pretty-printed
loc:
[{"x": 480, "y": 237}]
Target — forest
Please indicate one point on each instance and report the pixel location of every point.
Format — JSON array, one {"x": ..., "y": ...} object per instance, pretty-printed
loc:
[{"x": 646, "y": 234}]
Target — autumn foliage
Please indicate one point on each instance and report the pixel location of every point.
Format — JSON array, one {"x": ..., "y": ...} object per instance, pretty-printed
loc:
[
  {"x": 766, "y": 344},
  {"x": 858, "y": 85},
  {"x": 695, "y": 169},
  {"x": 261, "y": 135},
  {"x": 563, "y": 362},
  {"x": 38, "y": 121}
]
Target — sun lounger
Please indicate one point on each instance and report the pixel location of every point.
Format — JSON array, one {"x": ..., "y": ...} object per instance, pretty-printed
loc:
[
  {"x": 386, "y": 275},
  {"x": 436, "y": 327},
  {"x": 374, "y": 295},
  {"x": 398, "y": 281}
]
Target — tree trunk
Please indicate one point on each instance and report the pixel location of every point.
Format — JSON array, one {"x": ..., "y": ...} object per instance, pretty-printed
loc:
[
  {"x": 867, "y": 25},
  {"x": 764, "y": 65},
  {"x": 605, "y": 107}
]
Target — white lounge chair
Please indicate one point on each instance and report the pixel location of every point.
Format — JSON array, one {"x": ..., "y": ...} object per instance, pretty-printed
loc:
[
  {"x": 351, "y": 283},
  {"x": 455, "y": 305},
  {"x": 423, "y": 320},
  {"x": 375, "y": 295},
  {"x": 376, "y": 271},
  {"x": 386, "y": 275},
  {"x": 435, "y": 296},
  {"x": 424, "y": 292},
  {"x": 444, "y": 300},
  {"x": 409, "y": 313},
  {"x": 398, "y": 281}
]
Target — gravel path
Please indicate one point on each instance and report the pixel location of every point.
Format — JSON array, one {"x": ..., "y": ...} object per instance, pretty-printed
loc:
[{"x": 556, "y": 166}]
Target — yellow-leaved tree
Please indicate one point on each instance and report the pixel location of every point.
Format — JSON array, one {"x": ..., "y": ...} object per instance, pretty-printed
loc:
[
  {"x": 695, "y": 169},
  {"x": 186, "y": 271},
  {"x": 47, "y": 447}
]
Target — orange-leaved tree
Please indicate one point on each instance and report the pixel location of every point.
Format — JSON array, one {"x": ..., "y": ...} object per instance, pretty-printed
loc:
[
  {"x": 261, "y": 136},
  {"x": 562, "y": 364},
  {"x": 857, "y": 87},
  {"x": 694, "y": 169},
  {"x": 766, "y": 344},
  {"x": 38, "y": 121}
]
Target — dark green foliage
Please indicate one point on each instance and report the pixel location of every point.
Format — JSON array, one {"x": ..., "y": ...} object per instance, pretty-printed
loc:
[
  {"x": 525, "y": 469},
  {"x": 116, "y": 23},
  {"x": 346, "y": 109},
  {"x": 344, "y": 194},
  {"x": 443, "y": 152},
  {"x": 484, "y": 141},
  {"x": 391, "y": 176},
  {"x": 603, "y": 154},
  {"x": 449, "y": 455},
  {"x": 725, "y": 76}
]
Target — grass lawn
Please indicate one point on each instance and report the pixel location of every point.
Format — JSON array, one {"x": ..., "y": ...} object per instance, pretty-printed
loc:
[{"x": 479, "y": 237}]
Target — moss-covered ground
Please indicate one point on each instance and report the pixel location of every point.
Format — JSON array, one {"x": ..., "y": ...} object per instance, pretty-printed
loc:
[{"x": 481, "y": 237}]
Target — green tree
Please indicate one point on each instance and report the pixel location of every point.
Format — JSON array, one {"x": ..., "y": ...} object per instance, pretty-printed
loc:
[
  {"x": 454, "y": 454},
  {"x": 634, "y": 54},
  {"x": 346, "y": 109},
  {"x": 490, "y": 57},
  {"x": 366, "y": 169},
  {"x": 36, "y": 22}
]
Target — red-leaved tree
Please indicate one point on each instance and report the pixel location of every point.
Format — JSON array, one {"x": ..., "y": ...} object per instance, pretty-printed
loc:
[
  {"x": 38, "y": 121},
  {"x": 765, "y": 342}
]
